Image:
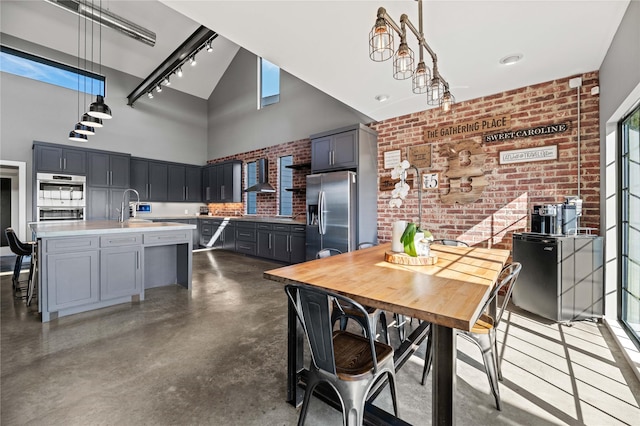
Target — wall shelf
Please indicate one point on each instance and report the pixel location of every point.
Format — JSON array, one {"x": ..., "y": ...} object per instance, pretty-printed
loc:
[
  {"x": 300, "y": 166},
  {"x": 295, "y": 189}
]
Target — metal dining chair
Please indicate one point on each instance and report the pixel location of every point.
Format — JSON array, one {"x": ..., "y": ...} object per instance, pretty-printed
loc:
[
  {"x": 483, "y": 332},
  {"x": 326, "y": 252},
  {"x": 21, "y": 250},
  {"x": 351, "y": 364}
]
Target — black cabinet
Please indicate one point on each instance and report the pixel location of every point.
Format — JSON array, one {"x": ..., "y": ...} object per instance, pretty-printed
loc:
[
  {"x": 280, "y": 242},
  {"x": 108, "y": 170},
  {"x": 223, "y": 182},
  {"x": 150, "y": 179},
  {"x": 335, "y": 152},
  {"x": 297, "y": 240},
  {"x": 184, "y": 183},
  {"x": 58, "y": 159},
  {"x": 246, "y": 237}
]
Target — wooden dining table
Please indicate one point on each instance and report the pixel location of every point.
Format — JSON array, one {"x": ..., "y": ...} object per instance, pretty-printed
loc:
[{"x": 448, "y": 294}]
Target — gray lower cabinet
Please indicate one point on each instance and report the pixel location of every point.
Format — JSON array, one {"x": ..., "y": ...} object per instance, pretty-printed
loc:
[
  {"x": 120, "y": 271},
  {"x": 246, "y": 237},
  {"x": 196, "y": 232},
  {"x": 281, "y": 242},
  {"x": 297, "y": 247}
]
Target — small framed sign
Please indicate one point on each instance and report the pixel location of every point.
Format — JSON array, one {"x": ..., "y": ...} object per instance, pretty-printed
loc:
[
  {"x": 419, "y": 156},
  {"x": 430, "y": 180},
  {"x": 388, "y": 184},
  {"x": 391, "y": 159},
  {"x": 529, "y": 155}
]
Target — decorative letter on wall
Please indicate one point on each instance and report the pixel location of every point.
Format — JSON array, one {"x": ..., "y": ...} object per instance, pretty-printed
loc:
[{"x": 466, "y": 178}]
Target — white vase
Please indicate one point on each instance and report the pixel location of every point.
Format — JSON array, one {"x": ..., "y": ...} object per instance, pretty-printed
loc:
[{"x": 397, "y": 229}]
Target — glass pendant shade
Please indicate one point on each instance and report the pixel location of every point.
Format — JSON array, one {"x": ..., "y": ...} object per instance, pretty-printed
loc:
[
  {"x": 84, "y": 130},
  {"x": 436, "y": 90},
  {"x": 77, "y": 137},
  {"x": 90, "y": 121},
  {"x": 380, "y": 41},
  {"x": 447, "y": 101},
  {"x": 99, "y": 109},
  {"x": 403, "y": 62},
  {"x": 421, "y": 78}
]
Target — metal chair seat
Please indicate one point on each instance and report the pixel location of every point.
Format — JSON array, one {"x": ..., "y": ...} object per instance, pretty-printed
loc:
[{"x": 21, "y": 250}]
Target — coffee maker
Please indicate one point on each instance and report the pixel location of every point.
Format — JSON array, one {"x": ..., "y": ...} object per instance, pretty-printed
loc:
[{"x": 557, "y": 219}]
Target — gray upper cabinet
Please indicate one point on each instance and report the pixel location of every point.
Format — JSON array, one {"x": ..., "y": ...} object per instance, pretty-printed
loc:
[
  {"x": 108, "y": 170},
  {"x": 223, "y": 182},
  {"x": 184, "y": 183},
  {"x": 158, "y": 181},
  {"x": 57, "y": 159},
  {"x": 140, "y": 177},
  {"x": 335, "y": 152}
]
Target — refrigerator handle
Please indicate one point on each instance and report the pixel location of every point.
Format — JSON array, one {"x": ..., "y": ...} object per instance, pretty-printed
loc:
[{"x": 321, "y": 221}]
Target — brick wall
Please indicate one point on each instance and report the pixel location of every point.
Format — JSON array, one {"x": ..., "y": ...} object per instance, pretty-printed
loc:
[
  {"x": 267, "y": 203},
  {"x": 511, "y": 190}
]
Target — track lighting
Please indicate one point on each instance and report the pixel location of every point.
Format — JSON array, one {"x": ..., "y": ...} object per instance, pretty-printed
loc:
[
  {"x": 192, "y": 61},
  {"x": 166, "y": 81},
  {"x": 159, "y": 88},
  {"x": 209, "y": 47},
  {"x": 179, "y": 72},
  {"x": 150, "y": 95}
]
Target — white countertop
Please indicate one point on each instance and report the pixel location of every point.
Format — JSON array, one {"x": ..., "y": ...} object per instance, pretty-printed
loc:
[{"x": 95, "y": 227}]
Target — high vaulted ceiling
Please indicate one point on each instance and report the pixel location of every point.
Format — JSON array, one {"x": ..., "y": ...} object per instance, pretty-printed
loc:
[{"x": 325, "y": 43}]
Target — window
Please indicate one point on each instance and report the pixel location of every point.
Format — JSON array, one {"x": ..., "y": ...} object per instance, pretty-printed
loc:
[
  {"x": 286, "y": 181},
  {"x": 252, "y": 179},
  {"x": 630, "y": 220},
  {"x": 268, "y": 83},
  {"x": 30, "y": 66}
]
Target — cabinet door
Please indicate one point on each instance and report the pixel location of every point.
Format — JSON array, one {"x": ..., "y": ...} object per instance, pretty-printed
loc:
[
  {"x": 193, "y": 178},
  {"x": 321, "y": 154},
  {"x": 140, "y": 177},
  {"x": 73, "y": 279},
  {"x": 99, "y": 171},
  {"x": 119, "y": 167},
  {"x": 74, "y": 161},
  {"x": 264, "y": 244},
  {"x": 48, "y": 159},
  {"x": 297, "y": 247},
  {"x": 120, "y": 272},
  {"x": 280, "y": 246},
  {"x": 157, "y": 181},
  {"x": 345, "y": 150},
  {"x": 219, "y": 195},
  {"x": 229, "y": 240},
  {"x": 176, "y": 183},
  {"x": 98, "y": 204}
]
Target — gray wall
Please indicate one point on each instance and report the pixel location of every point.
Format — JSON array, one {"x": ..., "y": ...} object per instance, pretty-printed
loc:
[
  {"x": 236, "y": 125},
  {"x": 170, "y": 127},
  {"x": 619, "y": 92}
]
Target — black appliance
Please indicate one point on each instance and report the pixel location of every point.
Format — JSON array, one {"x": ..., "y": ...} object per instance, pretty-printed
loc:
[
  {"x": 562, "y": 277},
  {"x": 554, "y": 219}
]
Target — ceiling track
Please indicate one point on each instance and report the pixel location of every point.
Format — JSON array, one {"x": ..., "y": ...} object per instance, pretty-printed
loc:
[
  {"x": 107, "y": 19},
  {"x": 188, "y": 49}
]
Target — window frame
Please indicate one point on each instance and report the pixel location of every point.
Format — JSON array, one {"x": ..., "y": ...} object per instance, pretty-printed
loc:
[
  {"x": 252, "y": 179},
  {"x": 265, "y": 101},
  {"x": 283, "y": 194}
]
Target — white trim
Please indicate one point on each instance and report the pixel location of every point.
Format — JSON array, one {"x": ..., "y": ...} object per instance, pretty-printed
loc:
[
  {"x": 21, "y": 220},
  {"x": 628, "y": 349}
]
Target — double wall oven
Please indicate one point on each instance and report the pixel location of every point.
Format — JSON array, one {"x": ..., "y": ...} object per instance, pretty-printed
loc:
[{"x": 61, "y": 197}]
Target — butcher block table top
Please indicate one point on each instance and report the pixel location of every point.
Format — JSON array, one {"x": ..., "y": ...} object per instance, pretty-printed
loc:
[{"x": 449, "y": 293}]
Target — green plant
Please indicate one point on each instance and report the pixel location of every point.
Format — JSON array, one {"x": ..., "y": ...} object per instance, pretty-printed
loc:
[{"x": 407, "y": 239}]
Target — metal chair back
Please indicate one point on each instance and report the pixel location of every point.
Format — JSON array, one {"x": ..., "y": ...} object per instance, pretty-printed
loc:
[
  {"x": 17, "y": 247},
  {"x": 326, "y": 252},
  {"x": 365, "y": 245},
  {"x": 455, "y": 243}
]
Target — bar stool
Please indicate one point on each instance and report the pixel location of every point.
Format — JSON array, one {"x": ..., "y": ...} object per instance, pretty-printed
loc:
[{"x": 21, "y": 250}]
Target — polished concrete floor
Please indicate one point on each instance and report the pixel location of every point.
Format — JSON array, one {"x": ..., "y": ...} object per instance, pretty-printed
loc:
[{"x": 217, "y": 356}]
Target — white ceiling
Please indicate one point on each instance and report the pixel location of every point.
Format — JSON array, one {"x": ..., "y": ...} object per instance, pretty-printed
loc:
[{"x": 325, "y": 43}]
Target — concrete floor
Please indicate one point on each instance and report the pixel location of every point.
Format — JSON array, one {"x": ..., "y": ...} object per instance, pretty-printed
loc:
[{"x": 217, "y": 356}]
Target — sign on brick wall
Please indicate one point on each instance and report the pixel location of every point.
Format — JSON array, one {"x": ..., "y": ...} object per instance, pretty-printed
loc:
[
  {"x": 419, "y": 156},
  {"x": 548, "y": 129},
  {"x": 541, "y": 153},
  {"x": 494, "y": 123}
]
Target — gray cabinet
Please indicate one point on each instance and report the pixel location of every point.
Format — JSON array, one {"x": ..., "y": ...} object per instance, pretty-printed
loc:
[
  {"x": 335, "y": 152},
  {"x": 297, "y": 247},
  {"x": 246, "y": 237},
  {"x": 278, "y": 241},
  {"x": 150, "y": 179},
  {"x": 71, "y": 267},
  {"x": 108, "y": 170},
  {"x": 103, "y": 203},
  {"x": 196, "y": 232},
  {"x": 184, "y": 183},
  {"x": 223, "y": 182},
  {"x": 224, "y": 230},
  {"x": 120, "y": 266},
  {"x": 57, "y": 159}
]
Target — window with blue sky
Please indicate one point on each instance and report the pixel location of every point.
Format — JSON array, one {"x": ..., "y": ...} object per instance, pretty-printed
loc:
[
  {"x": 269, "y": 78},
  {"x": 36, "y": 68}
]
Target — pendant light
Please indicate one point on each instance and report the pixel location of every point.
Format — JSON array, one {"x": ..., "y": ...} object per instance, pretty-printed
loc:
[
  {"x": 77, "y": 137},
  {"x": 98, "y": 108},
  {"x": 88, "y": 120},
  {"x": 80, "y": 131}
]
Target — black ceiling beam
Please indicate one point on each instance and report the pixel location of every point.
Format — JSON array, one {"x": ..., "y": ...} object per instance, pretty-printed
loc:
[{"x": 190, "y": 47}]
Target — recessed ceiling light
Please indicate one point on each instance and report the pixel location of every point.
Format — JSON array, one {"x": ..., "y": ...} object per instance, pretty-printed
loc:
[
  {"x": 511, "y": 59},
  {"x": 382, "y": 98}
]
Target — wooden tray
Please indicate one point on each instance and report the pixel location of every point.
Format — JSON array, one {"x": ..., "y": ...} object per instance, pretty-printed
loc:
[{"x": 405, "y": 259}]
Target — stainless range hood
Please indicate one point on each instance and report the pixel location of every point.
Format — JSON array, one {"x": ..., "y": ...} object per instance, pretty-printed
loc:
[{"x": 263, "y": 178}]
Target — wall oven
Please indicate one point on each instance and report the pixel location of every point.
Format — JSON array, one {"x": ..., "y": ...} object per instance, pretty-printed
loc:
[{"x": 61, "y": 197}]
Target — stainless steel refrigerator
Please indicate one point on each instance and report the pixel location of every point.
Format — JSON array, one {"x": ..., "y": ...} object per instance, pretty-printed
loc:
[{"x": 331, "y": 212}]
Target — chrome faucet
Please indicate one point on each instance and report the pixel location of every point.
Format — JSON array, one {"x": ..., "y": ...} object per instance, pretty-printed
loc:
[{"x": 124, "y": 195}]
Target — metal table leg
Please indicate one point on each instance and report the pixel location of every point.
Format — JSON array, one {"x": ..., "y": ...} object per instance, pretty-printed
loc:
[
  {"x": 295, "y": 355},
  {"x": 444, "y": 375}
]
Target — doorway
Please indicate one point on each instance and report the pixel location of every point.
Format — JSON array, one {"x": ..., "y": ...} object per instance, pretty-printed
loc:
[{"x": 13, "y": 195}]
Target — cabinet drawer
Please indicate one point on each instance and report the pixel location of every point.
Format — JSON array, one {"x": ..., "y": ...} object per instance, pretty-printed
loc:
[
  {"x": 161, "y": 238},
  {"x": 71, "y": 244},
  {"x": 244, "y": 234},
  {"x": 280, "y": 228},
  {"x": 121, "y": 240},
  {"x": 298, "y": 228},
  {"x": 264, "y": 226},
  {"x": 246, "y": 247},
  {"x": 245, "y": 224},
  {"x": 206, "y": 221},
  {"x": 207, "y": 229}
]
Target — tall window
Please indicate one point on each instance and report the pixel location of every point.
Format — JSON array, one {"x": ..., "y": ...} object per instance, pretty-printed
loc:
[
  {"x": 252, "y": 179},
  {"x": 630, "y": 220},
  {"x": 36, "y": 68},
  {"x": 286, "y": 181},
  {"x": 268, "y": 83}
]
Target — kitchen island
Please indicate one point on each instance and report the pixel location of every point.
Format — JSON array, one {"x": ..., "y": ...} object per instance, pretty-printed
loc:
[{"x": 86, "y": 265}]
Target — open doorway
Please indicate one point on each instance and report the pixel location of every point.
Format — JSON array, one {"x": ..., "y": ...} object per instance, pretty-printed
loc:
[{"x": 13, "y": 194}]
